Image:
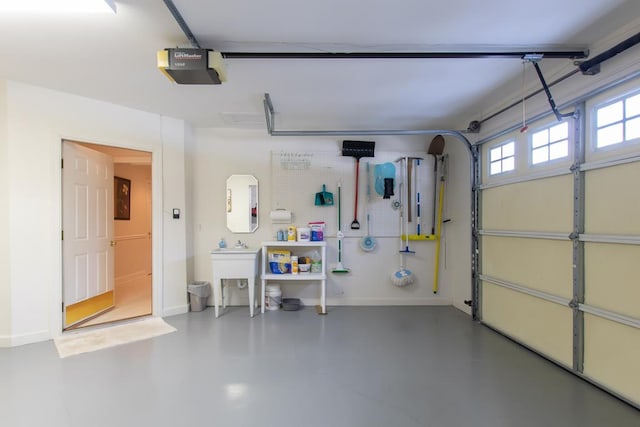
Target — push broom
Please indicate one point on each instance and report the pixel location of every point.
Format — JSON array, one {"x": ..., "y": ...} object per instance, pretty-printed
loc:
[{"x": 339, "y": 268}]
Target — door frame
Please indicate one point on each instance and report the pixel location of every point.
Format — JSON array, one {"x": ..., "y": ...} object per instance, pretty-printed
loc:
[{"x": 55, "y": 296}]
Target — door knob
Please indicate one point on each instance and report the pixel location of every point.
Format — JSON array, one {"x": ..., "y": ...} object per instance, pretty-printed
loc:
[{"x": 113, "y": 243}]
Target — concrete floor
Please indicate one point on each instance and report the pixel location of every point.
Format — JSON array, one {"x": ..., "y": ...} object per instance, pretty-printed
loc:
[{"x": 356, "y": 366}]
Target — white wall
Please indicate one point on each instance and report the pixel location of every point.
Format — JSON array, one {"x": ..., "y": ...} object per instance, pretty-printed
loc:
[
  {"x": 37, "y": 120},
  {"x": 189, "y": 145},
  {"x": 220, "y": 153},
  {"x": 5, "y": 288},
  {"x": 174, "y": 259},
  {"x": 456, "y": 241}
]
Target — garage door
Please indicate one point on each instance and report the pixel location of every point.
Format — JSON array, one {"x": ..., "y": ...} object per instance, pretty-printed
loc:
[
  {"x": 560, "y": 244},
  {"x": 612, "y": 277},
  {"x": 527, "y": 263}
]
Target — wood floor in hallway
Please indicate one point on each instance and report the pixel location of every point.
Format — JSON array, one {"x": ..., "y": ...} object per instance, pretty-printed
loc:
[{"x": 133, "y": 299}]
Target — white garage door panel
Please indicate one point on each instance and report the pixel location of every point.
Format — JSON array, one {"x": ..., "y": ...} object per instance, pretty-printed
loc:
[
  {"x": 612, "y": 355},
  {"x": 544, "y": 265},
  {"x": 527, "y": 275},
  {"x": 612, "y": 200},
  {"x": 542, "y": 325},
  {"x": 612, "y": 277},
  {"x": 544, "y": 205}
]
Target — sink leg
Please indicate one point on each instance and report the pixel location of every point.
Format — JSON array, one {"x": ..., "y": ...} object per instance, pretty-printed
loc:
[
  {"x": 224, "y": 303},
  {"x": 217, "y": 285},
  {"x": 252, "y": 290}
]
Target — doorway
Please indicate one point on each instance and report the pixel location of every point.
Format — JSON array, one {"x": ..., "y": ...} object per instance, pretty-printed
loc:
[{"x": 131, "y": 241}]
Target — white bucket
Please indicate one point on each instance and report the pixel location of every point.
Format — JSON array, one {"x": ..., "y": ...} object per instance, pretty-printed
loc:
[{"x": 272, "y": 297}]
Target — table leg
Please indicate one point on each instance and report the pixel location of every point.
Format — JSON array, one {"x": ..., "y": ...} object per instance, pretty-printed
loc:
[{"x": 262, "y": 296}]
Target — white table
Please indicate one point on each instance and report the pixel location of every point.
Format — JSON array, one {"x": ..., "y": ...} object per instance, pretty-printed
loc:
[{"x": 234, "y": 263}]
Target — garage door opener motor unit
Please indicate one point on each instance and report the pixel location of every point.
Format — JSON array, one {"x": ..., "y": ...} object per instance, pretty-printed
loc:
[{"x": 192, "y": 66}]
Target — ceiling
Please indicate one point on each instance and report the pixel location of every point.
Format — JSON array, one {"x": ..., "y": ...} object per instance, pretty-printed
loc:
[{"x": 113, "y": 57}]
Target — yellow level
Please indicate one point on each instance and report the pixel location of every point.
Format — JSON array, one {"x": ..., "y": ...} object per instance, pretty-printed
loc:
[{"x": 419, "y": 237}]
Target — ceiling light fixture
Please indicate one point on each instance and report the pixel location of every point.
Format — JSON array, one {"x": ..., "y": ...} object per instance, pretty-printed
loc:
[{"x": 58, "y": 6}]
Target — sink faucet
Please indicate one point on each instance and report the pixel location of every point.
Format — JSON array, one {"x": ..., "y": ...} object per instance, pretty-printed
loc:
[{"x": 240, "y": 245}]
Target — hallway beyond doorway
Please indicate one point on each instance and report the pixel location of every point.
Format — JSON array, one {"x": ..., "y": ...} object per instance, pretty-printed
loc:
[{"x": 133, "y": 299}]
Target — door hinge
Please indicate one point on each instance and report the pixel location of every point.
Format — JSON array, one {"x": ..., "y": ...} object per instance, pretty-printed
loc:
[
  {"x": 61, "y": 163},
  {"x": 63, "y": 306},
  {"x": 62, "y": 235}
]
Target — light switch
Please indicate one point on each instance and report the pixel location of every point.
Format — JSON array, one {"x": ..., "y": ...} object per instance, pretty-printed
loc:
[{"x": 176, "y": 214}]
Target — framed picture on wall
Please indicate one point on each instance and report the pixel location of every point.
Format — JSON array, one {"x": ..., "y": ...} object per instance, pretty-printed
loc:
[{"x": 122, "y": 198}]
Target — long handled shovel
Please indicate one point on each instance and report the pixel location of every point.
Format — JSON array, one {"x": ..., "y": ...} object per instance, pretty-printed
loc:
[
  {"x": 435, "y": 149},
  {"x": 436, "y": 268}
]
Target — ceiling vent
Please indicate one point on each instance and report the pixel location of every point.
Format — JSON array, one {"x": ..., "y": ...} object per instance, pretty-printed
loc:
[{"x": 190, "y": 66}]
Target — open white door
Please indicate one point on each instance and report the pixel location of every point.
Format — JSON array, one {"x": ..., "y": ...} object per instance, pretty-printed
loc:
[{"x": 87, "y": 221}]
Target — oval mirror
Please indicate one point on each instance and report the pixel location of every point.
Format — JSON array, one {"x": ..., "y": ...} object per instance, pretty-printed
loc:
[{"x": 242, "y": 203}]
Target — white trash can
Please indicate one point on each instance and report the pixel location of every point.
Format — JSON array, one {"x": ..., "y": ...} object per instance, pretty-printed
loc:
[{"x": 198, "y": 294}]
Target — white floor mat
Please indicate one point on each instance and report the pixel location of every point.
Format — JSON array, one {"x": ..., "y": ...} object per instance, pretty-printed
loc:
[{"x": 84, "y": 342}]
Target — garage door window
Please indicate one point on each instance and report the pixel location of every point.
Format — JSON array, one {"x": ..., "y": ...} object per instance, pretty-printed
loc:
[
  {"x": 502, "y": 158},
  {"x": 618, "y": 121},
  {"x": 550, "y": 143}
]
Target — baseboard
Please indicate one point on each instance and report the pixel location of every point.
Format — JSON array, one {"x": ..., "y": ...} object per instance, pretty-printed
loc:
[
  {"x": 464, "y": 308},
  {"x": 172, "y": 311},
  {"x": 18, "y": 340},
  {"x": 382, "y": 301}
]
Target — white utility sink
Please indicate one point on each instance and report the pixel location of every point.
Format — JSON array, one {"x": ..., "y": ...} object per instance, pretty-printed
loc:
[
  {"x": 234, "y": 250},
  {"x": 234, "y": 263}
]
